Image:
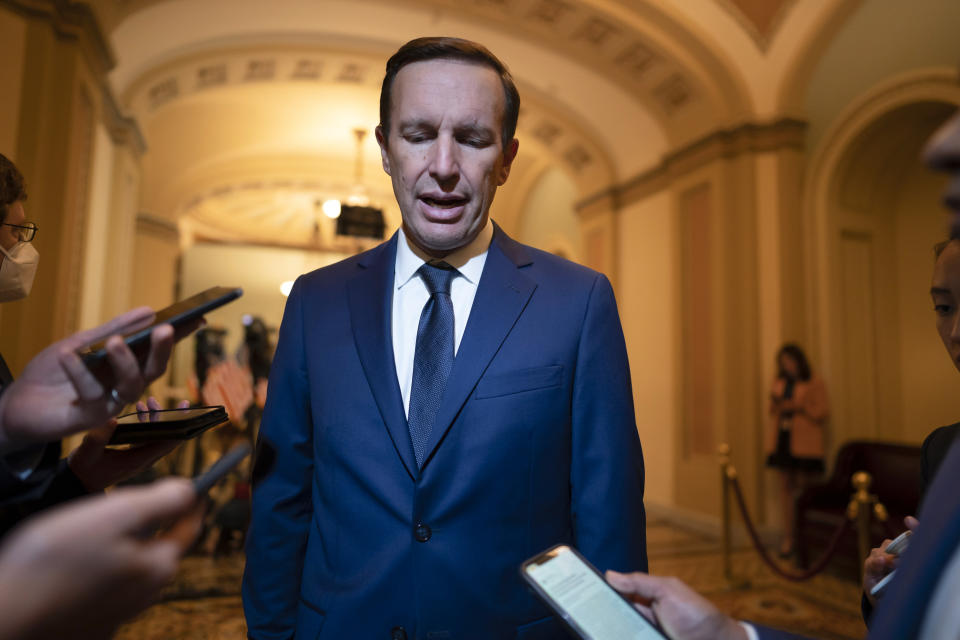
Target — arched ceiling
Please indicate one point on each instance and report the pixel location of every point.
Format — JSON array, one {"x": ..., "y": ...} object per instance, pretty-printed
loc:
[{"x": 234, "y": 93}]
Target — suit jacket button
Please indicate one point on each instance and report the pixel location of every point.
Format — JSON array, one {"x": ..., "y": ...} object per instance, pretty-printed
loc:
[
  {"x": 422, "y": 533},
  {"x": 398, "y": 633}
]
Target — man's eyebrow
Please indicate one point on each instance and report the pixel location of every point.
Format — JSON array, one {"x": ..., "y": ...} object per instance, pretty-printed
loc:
[
  {"x": 407, "y": 125},
  {"x": 474, "y": 129},
  {"x": 940, "y": 290}
]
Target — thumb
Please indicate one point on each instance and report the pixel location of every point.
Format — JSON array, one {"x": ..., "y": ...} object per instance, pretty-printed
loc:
[
  {"x": 137, "y": 509},
  {"x": 124, "y": 323},
  {"x": 92, "y": 445},
  {"x": 639, "y": 584}
]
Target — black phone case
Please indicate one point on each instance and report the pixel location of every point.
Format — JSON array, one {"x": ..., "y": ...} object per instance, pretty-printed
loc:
[
  {"x": 96, "y": 354},
  {"x": 131, "y": 431},
  {"x": 559, "y": 613}
]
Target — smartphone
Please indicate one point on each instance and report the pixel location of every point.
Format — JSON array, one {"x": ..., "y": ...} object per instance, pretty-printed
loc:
[
  {"x": 879, "y": 588},
  {"x": 583, "y": 600},
  {"x": 899, "y": 544},
  {"x": 205, "y": 481},
  {"x": 177, "y": 314},
  {"x": 167, "y": 424}
]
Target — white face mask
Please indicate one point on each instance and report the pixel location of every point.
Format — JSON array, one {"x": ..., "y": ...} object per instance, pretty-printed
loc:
[{"x": 17, "y": 271}]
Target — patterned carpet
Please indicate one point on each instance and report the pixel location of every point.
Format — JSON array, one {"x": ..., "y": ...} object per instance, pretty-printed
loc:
[{"x": 204, "y": 602}]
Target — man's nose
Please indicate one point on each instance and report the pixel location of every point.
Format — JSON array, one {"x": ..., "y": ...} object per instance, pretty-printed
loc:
[{"x": 445, "y": 163}]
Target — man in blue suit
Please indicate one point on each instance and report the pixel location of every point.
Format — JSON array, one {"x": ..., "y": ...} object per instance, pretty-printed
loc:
[{"x": 443, "y": 406}]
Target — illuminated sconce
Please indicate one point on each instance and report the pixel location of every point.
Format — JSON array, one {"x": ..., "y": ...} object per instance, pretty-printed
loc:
[
  {"x": 331, "y": 208},
  {"x": 285, "y": 287}
]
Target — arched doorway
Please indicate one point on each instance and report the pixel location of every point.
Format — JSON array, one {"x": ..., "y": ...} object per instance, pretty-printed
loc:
[{"x": 879, "y": 217}]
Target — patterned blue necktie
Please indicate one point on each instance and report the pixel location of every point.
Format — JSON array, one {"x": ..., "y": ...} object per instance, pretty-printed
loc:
[{"x": 433, "y": 357}]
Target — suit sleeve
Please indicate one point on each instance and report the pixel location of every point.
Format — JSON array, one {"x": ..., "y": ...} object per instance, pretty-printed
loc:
[
  {"x": 607, "y": 467},
  {"x": 281, "y": 488}
]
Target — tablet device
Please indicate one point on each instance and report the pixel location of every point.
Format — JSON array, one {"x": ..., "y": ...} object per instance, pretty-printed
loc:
[
  {"x": 167, "y": 424},
  {"x": 177, "y": 314},
  {"x": 583, "y": 600}
]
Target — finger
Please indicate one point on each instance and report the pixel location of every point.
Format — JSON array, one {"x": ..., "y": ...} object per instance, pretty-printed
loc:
[
  {"x": 183, "y": 404},
  {"x": 124, "y": 323},
  {"x": 129, "y": 382},
  {"x": 639, "y": 584},
  {"x": 86, "y": 385},
  {"x": 137, "y": 509},
  {"x": 161, "y": 345},
  {"x": 153, "y": 404},
  {"x": 911, "y": 523},
  {"x": 98, "y": 438}
]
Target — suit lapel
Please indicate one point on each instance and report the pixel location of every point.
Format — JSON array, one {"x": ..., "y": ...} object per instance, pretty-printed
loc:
[
  {"x": 502, "y": 294},
  {"x": 370, "y": 296}
]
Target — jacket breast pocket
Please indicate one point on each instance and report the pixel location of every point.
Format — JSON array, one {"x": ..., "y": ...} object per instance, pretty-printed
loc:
[{"x": 519, "y": 381}]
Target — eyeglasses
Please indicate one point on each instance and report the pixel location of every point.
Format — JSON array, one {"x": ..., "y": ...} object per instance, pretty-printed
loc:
[{"x": 25, "y": 232}]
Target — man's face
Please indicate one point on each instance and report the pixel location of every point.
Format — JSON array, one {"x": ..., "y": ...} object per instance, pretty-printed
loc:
[
  {"x": 945, "y": 291},
  {"x": 943, "y": 153},
  {"x": 444, "y": 152}
]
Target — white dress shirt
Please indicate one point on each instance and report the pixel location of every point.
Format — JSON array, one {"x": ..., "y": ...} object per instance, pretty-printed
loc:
[
  {"x": 942, "y": 619},
  {"x": 410, "y": 294}
]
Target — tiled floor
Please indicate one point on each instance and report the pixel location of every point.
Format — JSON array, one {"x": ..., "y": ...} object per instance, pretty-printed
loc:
[{"x": 204, "y": 601}]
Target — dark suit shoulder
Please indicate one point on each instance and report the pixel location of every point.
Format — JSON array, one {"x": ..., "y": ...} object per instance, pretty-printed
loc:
[
  {"x": 537, "y": 261},
  {"x": 933, "y": 451},
  {"x": 338, "y": 272}
]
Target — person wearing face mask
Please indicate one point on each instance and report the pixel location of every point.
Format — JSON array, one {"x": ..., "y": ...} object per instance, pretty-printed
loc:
[{"x": 32, "y": 475}]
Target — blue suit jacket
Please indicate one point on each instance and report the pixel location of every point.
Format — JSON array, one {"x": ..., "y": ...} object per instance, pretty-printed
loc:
[{"x": 535, "y": 443}]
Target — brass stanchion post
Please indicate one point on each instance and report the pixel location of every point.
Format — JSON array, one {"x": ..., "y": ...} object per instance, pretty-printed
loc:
[
  {"x": 860, "y": 509},
  {"x": 723, "y": 452}
]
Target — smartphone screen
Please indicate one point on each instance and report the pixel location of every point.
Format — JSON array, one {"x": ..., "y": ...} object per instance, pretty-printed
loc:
[{"x": 583, "y": 599}]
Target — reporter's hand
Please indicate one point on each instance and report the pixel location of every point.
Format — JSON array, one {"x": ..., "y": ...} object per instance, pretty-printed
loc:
[
  {"x": 678, "y": 609},
  {"x": 80, "y": 570},
  {"x": 98, "y": 467},
  {"x": 880, "y": 563},
  {"x": 57, "y": 395}
]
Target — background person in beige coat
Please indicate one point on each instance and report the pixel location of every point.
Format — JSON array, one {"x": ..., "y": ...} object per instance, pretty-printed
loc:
[{"x": 795, "y": 435}]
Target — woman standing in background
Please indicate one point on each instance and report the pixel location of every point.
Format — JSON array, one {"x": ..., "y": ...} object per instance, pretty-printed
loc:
[{"x": 795, "y": 436}]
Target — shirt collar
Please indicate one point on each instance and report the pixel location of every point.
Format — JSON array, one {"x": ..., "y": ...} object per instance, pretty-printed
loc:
[{"x": 467, "y": 260}]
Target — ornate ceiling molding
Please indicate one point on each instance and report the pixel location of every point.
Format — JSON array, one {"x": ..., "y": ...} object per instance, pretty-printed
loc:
[
  {"x": 722, "y": 144},
  {"x": 556, "y": 131},
  {"x": 762, "y": 20}
]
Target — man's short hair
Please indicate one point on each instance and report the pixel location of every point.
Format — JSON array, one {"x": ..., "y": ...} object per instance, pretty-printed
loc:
[
  {"x": 12, "y": 188},
  {"x": 443, "y": 48}
]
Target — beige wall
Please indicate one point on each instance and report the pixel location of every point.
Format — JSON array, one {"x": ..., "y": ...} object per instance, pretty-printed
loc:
[
  {"x": 13, "y": 30},
  {"x": 549, "y": 221},
  {"x": 648, "y": 303}
]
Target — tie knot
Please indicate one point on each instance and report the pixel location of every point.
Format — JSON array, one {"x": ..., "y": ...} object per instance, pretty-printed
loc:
[{"x": 437, "y": 276}]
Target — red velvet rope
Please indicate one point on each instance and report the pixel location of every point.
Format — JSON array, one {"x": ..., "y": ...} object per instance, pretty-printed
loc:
[{"x": 817, "y": 567}]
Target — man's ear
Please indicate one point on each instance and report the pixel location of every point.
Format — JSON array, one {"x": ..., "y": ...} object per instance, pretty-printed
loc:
[
  {"x": 382, "y": 141},
  {"x": 508, "y": 156}
]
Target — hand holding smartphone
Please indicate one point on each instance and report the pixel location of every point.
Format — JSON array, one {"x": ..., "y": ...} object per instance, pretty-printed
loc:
[
  {"x": 583, "y": 600},
  {"x": 895, "y": 548}
]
